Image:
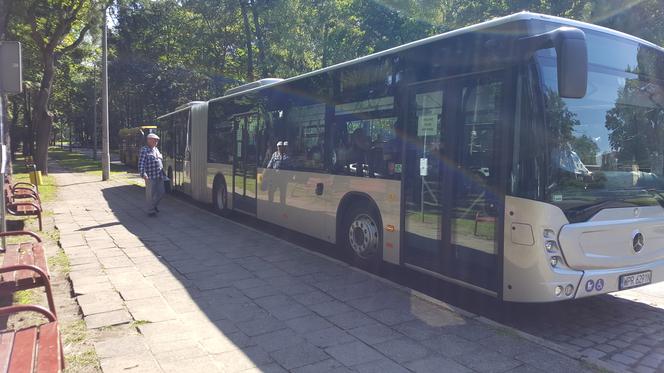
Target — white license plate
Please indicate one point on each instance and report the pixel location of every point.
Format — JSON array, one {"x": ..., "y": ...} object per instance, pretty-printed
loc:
[{"x": 635, "y": 279}]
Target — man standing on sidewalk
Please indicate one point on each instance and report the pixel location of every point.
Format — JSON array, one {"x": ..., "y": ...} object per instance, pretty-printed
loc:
[{"x": 150, "y": 167}]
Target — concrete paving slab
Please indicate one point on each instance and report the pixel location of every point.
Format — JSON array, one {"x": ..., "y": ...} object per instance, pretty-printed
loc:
[
  {"x": 298, "y": 356},
  {"x": 198, "y": 364},
  {"x": 153, "y": 309},
  {"x": 436, "y": 365},
  {"x": 130, "y": 363},
  {"x": 101, "y": 320},
  {"x": 120, "y": 346},
  {"x": 239, "y": 360},
  {"x": 353, "y": 353},
  {"x": 100, "y": 302}
]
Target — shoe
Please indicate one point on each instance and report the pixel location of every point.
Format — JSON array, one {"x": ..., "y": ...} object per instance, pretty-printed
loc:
[{"x": 152, "y": 214}]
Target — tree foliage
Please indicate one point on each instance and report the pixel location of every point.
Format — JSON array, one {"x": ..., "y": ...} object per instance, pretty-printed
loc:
[{"x": 164, "y": 53}]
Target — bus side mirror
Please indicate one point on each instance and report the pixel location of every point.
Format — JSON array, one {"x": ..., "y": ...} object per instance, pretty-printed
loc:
[{"x": 572, "y": 58}]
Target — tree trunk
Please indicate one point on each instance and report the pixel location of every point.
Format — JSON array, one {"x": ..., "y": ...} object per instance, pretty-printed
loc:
[
  {"x": 28, "y": 138},
  {"x": 43, "y": 119},
  {"x": 248, "y": 38},
  {"x": 259, "y": 39},
  {"x": 326, "y": 52}
]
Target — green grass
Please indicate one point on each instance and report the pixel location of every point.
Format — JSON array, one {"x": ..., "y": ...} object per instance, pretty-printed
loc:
[
  {"x": 83, "y": 361},
  {"x": 80, "y": 355},
  {"x": 26, "y": 297},
  {"x": 77, "y": 162},
  {"x": 61, "y": 262},
  {"x": 140, "y": 322},
  {"x": 47, "y": 191},
  {"x": 74, "y": 332}
]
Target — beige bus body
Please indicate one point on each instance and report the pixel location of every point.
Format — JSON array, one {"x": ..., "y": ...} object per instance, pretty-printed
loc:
[{"x": 599, "y": 250}]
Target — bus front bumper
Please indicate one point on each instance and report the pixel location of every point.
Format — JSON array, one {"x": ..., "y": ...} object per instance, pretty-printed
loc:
[{"x": 602, "y": 281}]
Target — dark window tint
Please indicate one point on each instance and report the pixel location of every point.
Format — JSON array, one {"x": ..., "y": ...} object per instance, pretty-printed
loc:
[{"x": 220, "y": 135}]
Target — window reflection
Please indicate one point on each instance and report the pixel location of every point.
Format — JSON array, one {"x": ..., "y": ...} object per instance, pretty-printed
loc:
[{"x": 607, "y": 147}]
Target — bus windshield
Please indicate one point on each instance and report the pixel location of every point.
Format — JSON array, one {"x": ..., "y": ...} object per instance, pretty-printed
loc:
[{"x": 605, "y": 150}]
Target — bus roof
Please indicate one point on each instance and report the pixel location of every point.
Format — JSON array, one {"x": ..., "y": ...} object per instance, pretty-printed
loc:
[
  {"x": 464, "y": 30},
  {"x": 184, "y": 107}
]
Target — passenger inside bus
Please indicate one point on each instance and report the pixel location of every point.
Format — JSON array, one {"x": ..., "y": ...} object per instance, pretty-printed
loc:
[
  {"x": 360, "y": 145},
  {"x": 357, "y": 153}
]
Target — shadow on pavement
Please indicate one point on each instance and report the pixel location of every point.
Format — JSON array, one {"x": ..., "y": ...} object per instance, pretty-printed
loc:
[{"x": 252, "y": 300}]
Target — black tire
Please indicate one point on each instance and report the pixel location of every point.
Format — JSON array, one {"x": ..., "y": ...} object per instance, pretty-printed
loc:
[
  {"x": 220, "y": 198},
  {"x": 361, "y": 236}
]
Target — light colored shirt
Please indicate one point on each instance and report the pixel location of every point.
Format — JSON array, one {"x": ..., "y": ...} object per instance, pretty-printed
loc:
[{"x": 279, "y": 160}]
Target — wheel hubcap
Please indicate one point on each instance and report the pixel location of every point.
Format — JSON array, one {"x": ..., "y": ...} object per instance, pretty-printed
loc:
[
  {"x": 221, "y": 199},
  {"x": 363, "y": 236}
]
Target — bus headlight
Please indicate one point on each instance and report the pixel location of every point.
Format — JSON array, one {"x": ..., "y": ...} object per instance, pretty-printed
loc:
[
  {"x": 569, "y": 289},
  {"x": 550, "y": 234},
  {"x": 558, "y": 290},
  {"x": 554, "y": 261},
  {"x": 551, "y": 246}
]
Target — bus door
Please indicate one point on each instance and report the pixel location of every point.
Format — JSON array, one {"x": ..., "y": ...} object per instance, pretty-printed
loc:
[
  {"x": 452, "y": 185},
  {"x": 245, "y": 163},
  {"x": 186, "y": 156},
  {"x": 180, "y": 138}
]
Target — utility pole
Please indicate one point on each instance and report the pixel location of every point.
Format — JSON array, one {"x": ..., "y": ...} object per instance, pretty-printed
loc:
[
  {"x": 105, "y": 156},
  {"x": 11, "y": 81},
  {"x": 94, "y": 114}
]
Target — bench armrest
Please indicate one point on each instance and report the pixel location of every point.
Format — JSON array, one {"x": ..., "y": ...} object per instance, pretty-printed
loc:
[
  {"x": 28, "y": 267},
  {"x": 15, "y": 188},
  {"x": 25, "y": 308},
  {"x": 19, "y": 203},
  {"x": 29, "y": 185},
  {"x": 21, "y": 233}
]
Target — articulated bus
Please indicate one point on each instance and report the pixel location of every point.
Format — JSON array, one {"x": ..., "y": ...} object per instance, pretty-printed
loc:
[
  {"x": 176, "y": 134},
  {"x": 522, "y": 157}
]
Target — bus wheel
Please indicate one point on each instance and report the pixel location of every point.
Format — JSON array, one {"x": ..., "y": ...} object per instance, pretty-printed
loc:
[
  {"x": 362, "y": 236},
  {"x": 220, "y": 199}
]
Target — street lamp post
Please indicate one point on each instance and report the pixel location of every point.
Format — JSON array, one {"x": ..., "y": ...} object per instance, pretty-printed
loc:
[{"x": 105, "y": 156}]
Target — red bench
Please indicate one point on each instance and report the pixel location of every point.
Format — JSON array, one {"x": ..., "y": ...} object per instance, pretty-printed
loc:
[
  {"x": 34, "y": 349},
  {"x": 24, "y": 267},
  {"x": 21, "y": 189},
  {"x": 22, "y": 205}
]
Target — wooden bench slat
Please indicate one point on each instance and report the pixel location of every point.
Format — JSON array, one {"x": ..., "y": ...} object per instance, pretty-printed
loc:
[
  {"x": 39, "y": 257},
  {"x": 25, "y": 256},
  {"x": 23, "y": 353},
  {"x": 11, "y": 258},
  {"x": 26, "y": 209},
  {"x": 6, "y": 344},
  {"x": 48, "y": 352}
]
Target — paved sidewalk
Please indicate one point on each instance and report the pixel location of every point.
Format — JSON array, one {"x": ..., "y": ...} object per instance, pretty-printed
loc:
[{"x": 196, "y": 292}]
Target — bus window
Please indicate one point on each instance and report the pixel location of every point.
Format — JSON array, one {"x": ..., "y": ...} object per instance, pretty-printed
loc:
[
  {"x": 220, "y": 139},
  {"x": 474, "y": 196},
  {"x": 305, "y": 127},
  {"x": 367, "y": 147}
]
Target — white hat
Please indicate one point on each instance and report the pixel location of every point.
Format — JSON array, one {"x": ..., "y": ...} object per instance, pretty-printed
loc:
[
  {"x": 285, "y": 143},
  {"x": 280, "y": 143},
  {"x": 152, "y": 136}
]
